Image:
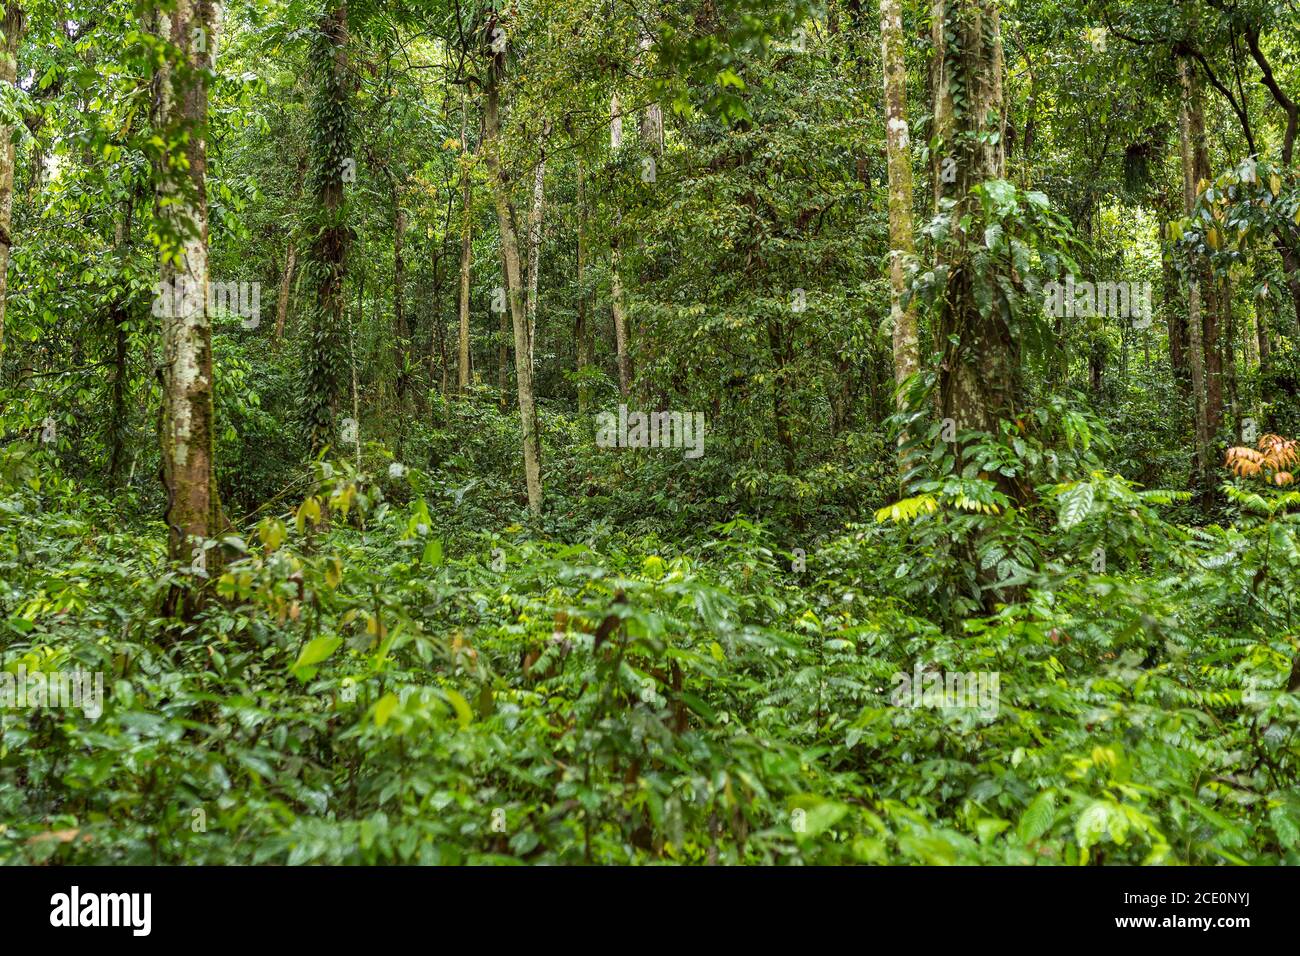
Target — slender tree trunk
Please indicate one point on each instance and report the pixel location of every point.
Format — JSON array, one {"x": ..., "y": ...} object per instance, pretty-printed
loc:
[
  {"x": 535, "y": 216},
  {"x": 1187, "y": 125},
  {"x": 615, "y": 280},
  {"x": 503, "y": 347},
  {"x": 193, "y": 506},
  {"x": 358, "y": 322},
  {"x": 899, "y": 162},
  {"x": 942, "y": 122},
  {"x": 121, "y": 414},
  {"x": 286, "y": 280},
  {"x": 14, "y": 26},
  {"x": 652, "y": 118},
  {"x": 514, "y": 286},
  {"x": 401, "y": 333},
  {"x": 580, "y": 333},
  {"x": 466, "y": 225}
]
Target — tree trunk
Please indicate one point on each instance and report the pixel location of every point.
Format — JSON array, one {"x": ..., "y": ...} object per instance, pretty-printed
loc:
[
  {"x": 615, "y": 280},
  {"x": 980, "y": 369},
  {"x": 193, "y": 507},
  {"x": 121, "y": 414},
  {"x": 286, "y": 280},
  {"x": 331, "y": 161},
  {"x": 401, "y": 334},
  {"x": 535, "y": 215},
  {"x": 514, "y": 286},
  {"x": 901, "y": 244},
  {"x": 580, "y": 332},
  {"x": 1187, "y": 127},
  {"x": 14, "y": 25},
  {"x": 466, "y": 225}
]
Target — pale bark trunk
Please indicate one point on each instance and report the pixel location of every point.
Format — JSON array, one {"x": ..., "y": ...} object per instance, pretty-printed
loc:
[
  {"x": 514, "y": 289},
  {"x": 192, "y": 510},
  {"x": 286, "y": 281},
  {"x": 466, "y": 225},
  {"x": 899, "y": 160},
  {"x": 652, "y": 119},
  {"x": 535, "y": 216},
  {"x": 615, "y": 280}
]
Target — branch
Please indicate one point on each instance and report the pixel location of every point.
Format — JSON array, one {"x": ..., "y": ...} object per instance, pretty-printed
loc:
[{"x": 1270, "y": 81}]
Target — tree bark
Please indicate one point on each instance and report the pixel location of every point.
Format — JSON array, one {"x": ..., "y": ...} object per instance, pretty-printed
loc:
[
  {"x": 615, "y": 280},
  {"x": 327, "y": 259},
  {"x": 121, "y": 414},
  {"x": 14, "y": 26},
  {"x": 193, "y": 508},
  {"x": 535, "y": 215},
  {"x": 401, "y": 333},
  {"x": 286, "y": 280},
  {"x": 506, "y": 220},
  {"x": 980, "y": 369},
  {"x": 899, "y": 164},
  {"x": 466, "y": 245},
  {"x": 1195, "y": 327},
  {"x": 580, "y": 333}
]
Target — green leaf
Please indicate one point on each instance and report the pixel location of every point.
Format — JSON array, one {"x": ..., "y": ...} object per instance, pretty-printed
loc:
[
  {"x": 316, "y": 651},
  {"x": 1037, "y": 818},
  {"x": 1076, "y": 504},
  {"x": 460, "y": 705}
]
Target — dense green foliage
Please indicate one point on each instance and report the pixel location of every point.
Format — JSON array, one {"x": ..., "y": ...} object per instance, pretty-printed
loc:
[{"x": 680, "y": 660}]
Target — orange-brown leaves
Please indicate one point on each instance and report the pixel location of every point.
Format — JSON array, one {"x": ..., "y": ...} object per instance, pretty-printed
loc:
[{"x": 1271, "y": 459}]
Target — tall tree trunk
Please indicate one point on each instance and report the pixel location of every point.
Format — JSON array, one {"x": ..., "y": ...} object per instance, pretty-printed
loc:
[
  {"x": 401, "y": 333},
  {"x": 193, "y": 506},
  {"x": 1213, "y": 298},
  {"x": 615, "y": 280},
  {"x": 14, "y": 26},
  {"x": 899, "y": 161},
  {"x": 466, "y": 225},
  {"x": 503, "y": 346},
  {"x": 331, "y": 166},
  {"x": 652, "y": 118},
  {"x": 536, "y": 213},
  {"x": 1188, "y": 122},
  {"x": 286, "y": 280},
  {"x": 514, "y": 285},
  {"x": 121, "y": 414},
  {"x": 980, "y": 370},
  {"x": 580, "y": 333},
  {"x": 942, "y": 121}
]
